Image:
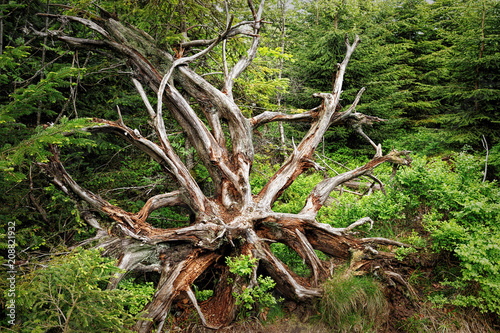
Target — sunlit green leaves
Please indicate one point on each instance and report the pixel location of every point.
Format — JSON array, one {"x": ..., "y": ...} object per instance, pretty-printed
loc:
[
  {"x": 257, "y": 297},
  {"x": 242, "y": 265},
  {"x": 143, "y": 293},
  {"x": 68, "y": 293}
]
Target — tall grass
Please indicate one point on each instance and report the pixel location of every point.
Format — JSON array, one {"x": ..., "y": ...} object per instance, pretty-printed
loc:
[{"x": 353, "y": 303}]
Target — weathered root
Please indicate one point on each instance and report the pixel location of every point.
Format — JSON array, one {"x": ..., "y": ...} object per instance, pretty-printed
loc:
[
  {"x": 181, "y": 263},
  {"x": 288, "y": 283},
  {"x": 130, "y": 254},
  {"x": 232, "y": 221},
  {"x": 174, "y": 280},
  {"x": 312, "y": 258},
  {"x": 391, "y": 276},
  {"x": 221, "y": 307}
]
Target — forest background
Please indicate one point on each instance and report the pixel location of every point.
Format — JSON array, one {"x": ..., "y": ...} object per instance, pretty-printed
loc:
[{"x": 431, "y": 70}]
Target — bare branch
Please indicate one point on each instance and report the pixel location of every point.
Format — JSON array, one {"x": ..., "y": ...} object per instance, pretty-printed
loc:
[
  {"x": 65, "y": 182},
  {"x": 400, "y": 279},
  {"x": 232, "y": 31},
  {"x": 321, "y": 192},
  {"x": 352, "y": 108},
  {"x": 165, "y": 156},
  {"x": 120, "y": 119},
  {"x": 209, "y": 149},
  {"x": 296, "y": 162},
  {"x": 244, "y": 62},
  {"x": 224, "y": 44},
  {"x": 252, "y": 8},
  {"x": 80, "y": 20},
  {"x": 159, "y": 201},
  {"x": 381, "y": 185},
  {"x": 312, "y": 258},
  {"x": 360, "y": 222},
  {"x": 284, "y": 277},
  {"x": 268, "y": 116},
  {"x": 485, "y": 146},
  {"x": 144, "y": 97},
  {"x": 381, "y": 240},
  {"x": 197, "y": 43},
  {"x": 378, "y": 148},
  {"x": 192, "y": 297}
]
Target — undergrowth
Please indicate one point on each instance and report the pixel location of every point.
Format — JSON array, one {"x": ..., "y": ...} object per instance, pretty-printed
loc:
[{"x": 353, "y": 304}]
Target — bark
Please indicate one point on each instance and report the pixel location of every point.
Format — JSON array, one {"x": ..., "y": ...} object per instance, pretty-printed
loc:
[{"x": 232, "y": 221}]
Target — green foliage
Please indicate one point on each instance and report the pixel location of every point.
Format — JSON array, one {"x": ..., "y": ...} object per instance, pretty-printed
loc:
[
  {"x": 467, "y": 67},
  {"x": 458, "y": 212},
  {"x": 402, "y": 252},
  {"x": 381, "y": 63},
  {"x": 430, "y": 69},
  {"x": 464, "y": 221},
  {"x": 68, "y": 294},
  {"x": 353, "y": 304},
  {"x": 294, "y": 197},
  {"x": 9, "y": 63},
  {"x": 493, "y": 162},
  {"x": 426, "y": 141},
  {"x": 26, "y": 100},
  {"x": 142, "y": 294},
  {"x": 259, "y": 297},
  {"x": 413, "y": 239},
  {"x": 290, "y": 258},
  {"x": 446, "y": 235},
  {"x": 242, "y": 265},
  {"x": 35, "y": 148},
  {"x": 388, "y": 211},
  {"x": 256, "y": 298},
  {"x": 67, "y": 133},
  {"x": 263, "y": 82},
  {"x": 202, "y": 295}
]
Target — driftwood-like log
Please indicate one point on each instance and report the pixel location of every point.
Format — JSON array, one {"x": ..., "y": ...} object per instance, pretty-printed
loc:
[{"x": 232, "y": 221}]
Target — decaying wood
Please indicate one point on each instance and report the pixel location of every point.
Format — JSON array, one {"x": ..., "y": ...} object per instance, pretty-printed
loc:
[{"x": 232, "y": 221}]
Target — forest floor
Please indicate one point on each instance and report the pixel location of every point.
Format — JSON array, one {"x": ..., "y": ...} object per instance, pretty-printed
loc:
[{"x": 405, "y": 315}]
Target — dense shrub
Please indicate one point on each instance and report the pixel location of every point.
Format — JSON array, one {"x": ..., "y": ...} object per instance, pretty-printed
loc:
[
  {"x": 446, "y": 200},
  {"x": 462, "y": 216},
  {"x": 68, "y": 294}
]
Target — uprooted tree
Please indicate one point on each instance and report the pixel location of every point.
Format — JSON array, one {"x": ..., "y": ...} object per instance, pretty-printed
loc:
[{"x": 229, "y": 221}]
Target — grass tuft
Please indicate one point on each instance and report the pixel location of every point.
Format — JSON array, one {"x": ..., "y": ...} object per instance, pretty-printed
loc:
[{"x": 353, "y": 304}]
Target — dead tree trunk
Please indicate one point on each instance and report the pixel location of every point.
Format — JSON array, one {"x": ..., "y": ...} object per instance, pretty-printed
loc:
[{"x": 232, "y": 221}]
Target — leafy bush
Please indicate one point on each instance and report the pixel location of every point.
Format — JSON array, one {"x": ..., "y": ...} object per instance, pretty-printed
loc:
[
  {"x": 259, "y": 296},
  {"x": 242, "y": 265},
  {"x": 68, "y": 294},
  {"x": 353, "y": 304},
  {"x": 463, "y": 219},
  {"x": 202, "y": 295},
  {"x": 256, "y": 298},
  {"x": 143, "y": 294},
  {"x": 459, "y": 213},
  {"x": 412, "y": 239}
]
